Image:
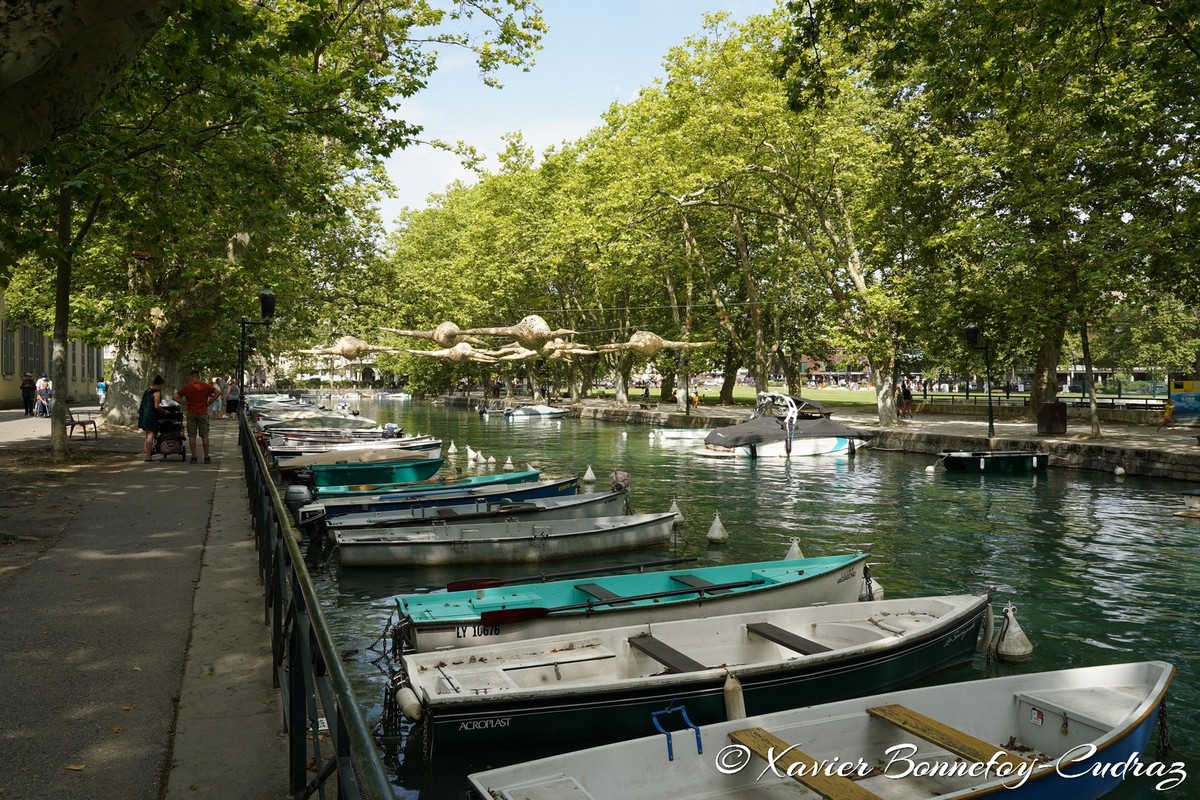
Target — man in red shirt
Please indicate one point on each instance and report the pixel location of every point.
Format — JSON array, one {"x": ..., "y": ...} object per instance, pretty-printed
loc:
[{"x": 198, "y": 395}]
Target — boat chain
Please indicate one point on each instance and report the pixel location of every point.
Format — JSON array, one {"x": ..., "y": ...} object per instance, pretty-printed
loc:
[{"x": 1164, "y": 732}]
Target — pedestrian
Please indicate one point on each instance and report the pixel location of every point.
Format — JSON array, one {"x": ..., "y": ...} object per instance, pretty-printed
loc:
[
  {"x": 44, "y": 394},
  {"x": 695, "y": 398},
  {"x": 102, "y": 392},
  {"x": 148, "y": 412},
  {"x": 214, "y": 408},
  {"x": 906, "y": 401},
  {"x": 198, "y": 395},
  {"x": 1168, "y": 418},
  {"x": 233, "y": 398},
  {"x": 28, "y": 393}
]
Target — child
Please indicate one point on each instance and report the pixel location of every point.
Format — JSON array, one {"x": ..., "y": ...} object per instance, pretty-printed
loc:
[{"x": 1168, "y": 415}]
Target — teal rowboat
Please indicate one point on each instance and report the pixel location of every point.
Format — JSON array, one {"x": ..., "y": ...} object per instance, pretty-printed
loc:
[
  {"x": 400, "y": 470},
  {"x": 507, "y": 613},
  {"x": 395, "y": 489}
]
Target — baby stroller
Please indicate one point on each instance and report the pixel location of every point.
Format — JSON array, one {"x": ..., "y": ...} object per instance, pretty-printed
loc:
[{"x": 170, "y": 439}]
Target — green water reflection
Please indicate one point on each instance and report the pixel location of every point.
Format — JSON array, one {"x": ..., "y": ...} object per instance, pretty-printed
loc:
[{"x": 1099, "y": 567}]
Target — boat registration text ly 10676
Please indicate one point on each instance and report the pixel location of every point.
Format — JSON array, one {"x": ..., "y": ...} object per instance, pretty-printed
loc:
[{"x": 461, "y": 631}]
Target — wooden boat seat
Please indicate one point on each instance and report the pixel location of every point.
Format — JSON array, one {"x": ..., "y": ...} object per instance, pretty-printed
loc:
[
  {"x": 664, "y": 654},
  {"x": 831, "y": 787},
  {"x": 791, "y": 641},
  {"x": 600, "y": 593},
  {"x": 698, "y": 583},
  {"x": 961, "y": 744}
]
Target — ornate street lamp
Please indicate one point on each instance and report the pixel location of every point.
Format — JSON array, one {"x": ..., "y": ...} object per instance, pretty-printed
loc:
[
  {"x": 266, "y": 301},
  {"x": 972, "y": 334}
]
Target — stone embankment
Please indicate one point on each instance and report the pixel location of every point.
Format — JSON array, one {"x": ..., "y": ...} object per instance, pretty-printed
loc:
[{"x": 1128, "y": 440}]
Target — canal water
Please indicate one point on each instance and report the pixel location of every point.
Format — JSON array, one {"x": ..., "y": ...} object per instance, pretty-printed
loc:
[{"x": 1099, "y": 568}]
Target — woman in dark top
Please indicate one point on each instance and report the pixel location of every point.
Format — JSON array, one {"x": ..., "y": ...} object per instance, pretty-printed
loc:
[{"x": 148, "y": 413}]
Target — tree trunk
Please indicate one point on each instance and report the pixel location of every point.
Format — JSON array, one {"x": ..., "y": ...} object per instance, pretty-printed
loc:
[
  {"x": 1045, "y": 374},
  {"x": 883, "y": 376}
]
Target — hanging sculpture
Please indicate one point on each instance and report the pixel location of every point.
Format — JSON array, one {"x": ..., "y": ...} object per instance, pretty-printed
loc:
[
  {"x": 645, "y": 343},
  {"x": 531, "y": 332},
  {"x": 459, "y": 352},
  {"x": 350, "y": 348},
  {"x": 534, "y": 339},
  {"x": 446, "y": 334}
]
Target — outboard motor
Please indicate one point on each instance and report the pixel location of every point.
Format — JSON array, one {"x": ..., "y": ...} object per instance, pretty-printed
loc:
[
  {"x": 391, "y": 431},
  {"x": 297, "y": 495}
]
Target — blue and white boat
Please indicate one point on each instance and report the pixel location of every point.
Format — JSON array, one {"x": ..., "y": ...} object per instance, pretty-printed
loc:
[
  {"x": 1074, "y": 733},
  {"x": 310, "y": 508},
  {"x": 782, "y": 426}
]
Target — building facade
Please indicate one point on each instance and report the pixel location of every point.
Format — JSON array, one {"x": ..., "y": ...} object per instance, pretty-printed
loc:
[{"x": 24, "y": 349}]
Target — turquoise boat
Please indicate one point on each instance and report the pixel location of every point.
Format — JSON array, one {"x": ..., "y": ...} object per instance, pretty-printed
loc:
[
  {"x": 492, "y": 613},
  {"x": 393, "y": 489},
  {"x": 401, "y": 470}
]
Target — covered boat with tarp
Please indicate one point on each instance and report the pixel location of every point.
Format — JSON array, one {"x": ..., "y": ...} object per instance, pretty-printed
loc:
[{"x": 783, "y": 425}]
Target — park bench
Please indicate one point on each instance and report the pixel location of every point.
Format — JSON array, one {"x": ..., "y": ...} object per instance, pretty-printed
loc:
[{"x": 81, "y": 422}]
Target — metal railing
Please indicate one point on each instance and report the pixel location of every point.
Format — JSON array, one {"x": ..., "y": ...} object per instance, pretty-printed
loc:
[
  {"x": 327, "y": 735},
  {"x": 999, "y": 399}
]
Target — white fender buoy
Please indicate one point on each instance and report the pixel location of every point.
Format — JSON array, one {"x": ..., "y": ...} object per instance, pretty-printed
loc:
[
  {"x": 481, "y": 458},
  {"x": 716, "y": 531},
  {"x": 1013, "y": 646},
  {"x": 409, "y": 705},
  {"x": 508, "y": 464},
  {"x": 1119, "y": 472},
  {"x": 452, "y": 450},
  {"x": 930, "y": 468},
  {"x": 735, "y": 701},
  {"x": 793, "y": 551},
  {"x": 470, "y": 453},
  {"x": 674, "y": 509},
  {"x": 589, "y": 476},
  {"x": 491, "y": 461}
]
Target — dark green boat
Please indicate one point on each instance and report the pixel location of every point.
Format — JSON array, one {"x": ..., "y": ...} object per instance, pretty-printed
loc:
[
  {"x": 1002, "y": 461},
  {"x": 616, "y": 683}
]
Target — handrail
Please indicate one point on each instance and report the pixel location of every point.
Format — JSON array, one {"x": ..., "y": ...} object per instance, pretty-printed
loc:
[{"x": 319, "y": 706}]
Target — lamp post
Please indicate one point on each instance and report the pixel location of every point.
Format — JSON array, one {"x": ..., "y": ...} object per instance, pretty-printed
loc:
[
  {"x": 266, "y": 300},
  {"x": 972, "y": 334}
]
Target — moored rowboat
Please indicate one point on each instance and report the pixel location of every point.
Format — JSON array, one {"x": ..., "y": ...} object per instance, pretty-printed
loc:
[
  {"x": 1073, "y": 733},
  {"x": 504, "y": 542},
  {"x": 508, "y": 613},
  {"x": 610, "y": 684}
]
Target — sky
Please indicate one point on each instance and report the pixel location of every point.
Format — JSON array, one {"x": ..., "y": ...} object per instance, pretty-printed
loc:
[{"x": 595, "y": 52}]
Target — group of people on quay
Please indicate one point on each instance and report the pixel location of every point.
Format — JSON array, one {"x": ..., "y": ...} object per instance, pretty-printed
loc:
[{"x": 203, "y": 401}]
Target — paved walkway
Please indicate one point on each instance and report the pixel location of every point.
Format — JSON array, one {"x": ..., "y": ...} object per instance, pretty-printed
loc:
[{"x": 134, "y": 657}]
